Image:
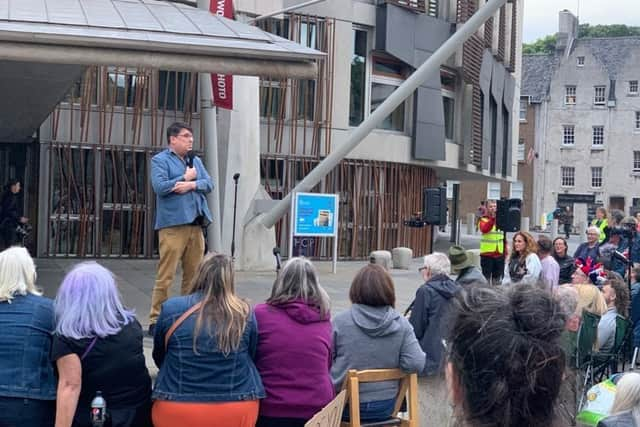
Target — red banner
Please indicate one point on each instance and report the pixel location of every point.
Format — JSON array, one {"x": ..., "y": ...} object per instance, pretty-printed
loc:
[{"x": 221, "y": 83}]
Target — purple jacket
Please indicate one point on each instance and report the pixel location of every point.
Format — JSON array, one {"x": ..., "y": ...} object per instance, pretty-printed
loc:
[{"x": 294, "y": 359}]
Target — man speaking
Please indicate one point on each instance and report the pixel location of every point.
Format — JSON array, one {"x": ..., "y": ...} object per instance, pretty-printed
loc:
[{"x": 181, "y": 183}]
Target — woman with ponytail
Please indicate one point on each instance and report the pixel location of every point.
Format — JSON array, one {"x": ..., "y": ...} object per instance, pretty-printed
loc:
[{"x": 205, "y": 345}]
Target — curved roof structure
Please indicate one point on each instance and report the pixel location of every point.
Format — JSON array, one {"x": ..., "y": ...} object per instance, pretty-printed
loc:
[{"x": 148, "y": 33}]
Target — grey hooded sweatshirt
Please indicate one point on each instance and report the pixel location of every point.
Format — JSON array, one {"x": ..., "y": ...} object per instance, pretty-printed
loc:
[{"x": 366, "y": 337}]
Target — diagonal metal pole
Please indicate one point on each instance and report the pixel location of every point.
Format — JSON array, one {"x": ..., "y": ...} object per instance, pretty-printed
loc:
[{"x": 387, "y": 107}]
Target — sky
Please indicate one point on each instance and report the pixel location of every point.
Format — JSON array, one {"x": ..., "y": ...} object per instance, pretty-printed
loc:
[{"x": 541, "y": 16}]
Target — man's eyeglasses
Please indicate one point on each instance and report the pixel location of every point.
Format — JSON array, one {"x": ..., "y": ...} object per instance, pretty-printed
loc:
[
  {"x": 421, "y": 268},
  {"x": 185, "y": 135}
]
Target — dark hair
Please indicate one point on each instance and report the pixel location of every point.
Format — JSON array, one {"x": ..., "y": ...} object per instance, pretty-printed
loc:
[
  {"x": 505, "y": 355},
  {"x": 175, "y": 128},
  {"x": 10, "y": 183},
  {"x": 373, "y": 286},
  {"x": 622, "y": 294},
  {"x": 544, "y": 244},
  {"x": 566, "y": 245}
]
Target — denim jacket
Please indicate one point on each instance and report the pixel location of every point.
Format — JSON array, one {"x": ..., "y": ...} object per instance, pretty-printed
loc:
[
  {"x": 172, "y": 208},
  {"x": 208, "y": 376},
  {"x": 26, "y": 370}
]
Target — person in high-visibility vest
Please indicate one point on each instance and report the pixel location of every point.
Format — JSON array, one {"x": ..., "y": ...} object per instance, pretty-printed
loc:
[
  {"x": 491, "y": 245},
  {"x": 602, "y": 223}
]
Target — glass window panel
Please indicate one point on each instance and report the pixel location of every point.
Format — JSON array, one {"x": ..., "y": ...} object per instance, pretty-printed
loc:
[
  {"x": 358, "y": 78},
  {"x": 176, "y": 91},
  {"x": 449, "y": 116},
  {"x": 379, "y": 93}
]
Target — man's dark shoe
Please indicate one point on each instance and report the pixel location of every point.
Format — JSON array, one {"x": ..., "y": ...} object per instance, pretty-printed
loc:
[{"x": 152, "y": 329}]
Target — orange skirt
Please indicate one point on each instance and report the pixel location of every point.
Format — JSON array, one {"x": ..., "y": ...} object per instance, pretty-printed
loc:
[{"x": 224, "y": 414}]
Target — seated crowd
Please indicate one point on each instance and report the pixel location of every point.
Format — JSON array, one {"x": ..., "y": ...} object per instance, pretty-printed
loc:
[{"x": 485, "y": 356}]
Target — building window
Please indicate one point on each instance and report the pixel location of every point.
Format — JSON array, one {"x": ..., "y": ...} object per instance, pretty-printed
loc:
[
  {"x": 636, "y": 161},
  {"x": 568, "y": 135},
  {"x": 493, "y": 190},
  {"x": 568, "y": 176},
  {"x": 450, "y": 184},
  {"x": 127, "y": 88},
  {"x": 516, "y": 191},
  {"x": 388, "y": 67},
  {"x": 524, "y": 104},
  {"x": 84, "y": 88},
  {"x": 633, "y": 87},
  {"x": 387, "y": 75},
  {"x": 177, "y": 91},
  {"x": 271, "y": 100},
  {"x": 570, "y": 95},
  {"x": 598, "y": 136},
  {"x": 637, "y": 120},
  {"x": 306, "y": 99},
  {"x": 358, "y": 77},
  {"x": 599, "y": 96},
  {"x": 596, "y": 177},
  {"x": 379, "y": 93},
  {"x": 580, "y": 61},
  {"x": 449, "y": 105},
  {"x": 521, "y": 150}
]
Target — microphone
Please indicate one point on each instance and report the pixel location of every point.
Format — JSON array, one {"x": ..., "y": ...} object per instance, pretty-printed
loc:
[
  {"x": 190, "y": 156},
  {"x": 236, "y": 176},
  {"x": 276, "y": 253}
]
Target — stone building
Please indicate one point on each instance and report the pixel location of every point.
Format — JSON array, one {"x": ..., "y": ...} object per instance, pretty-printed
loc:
[{"x": 586, "y": 114}]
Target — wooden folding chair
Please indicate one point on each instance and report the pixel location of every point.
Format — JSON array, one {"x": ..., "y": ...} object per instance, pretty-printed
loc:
[
  {"x": 408, "y": 388},
  {"x": 331, "y": 414}
]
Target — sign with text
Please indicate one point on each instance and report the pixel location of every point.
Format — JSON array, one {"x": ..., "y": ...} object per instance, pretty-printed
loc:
[
  {"x": 222, "y": 84},
  {"x": 315, "y": 214}
]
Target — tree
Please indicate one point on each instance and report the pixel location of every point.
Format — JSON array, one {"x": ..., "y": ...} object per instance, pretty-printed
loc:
[
  {"x": 544, "y": 45},
  {"x": 547, "y": 44},
  {"x": 616, "y": 30}
]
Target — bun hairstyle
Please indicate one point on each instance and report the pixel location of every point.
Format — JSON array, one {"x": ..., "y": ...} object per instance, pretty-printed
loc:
[{"x": 505, "y": 354}]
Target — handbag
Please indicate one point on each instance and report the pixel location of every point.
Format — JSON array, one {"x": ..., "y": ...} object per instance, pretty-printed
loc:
[{"x": 179, "y": 321}]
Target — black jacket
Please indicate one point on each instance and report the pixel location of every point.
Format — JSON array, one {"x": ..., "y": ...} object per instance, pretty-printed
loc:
[
  {"x": 567, "y": 267},
  {"x": 9, "y": 215},
  {"x": 430, "y": 318}
]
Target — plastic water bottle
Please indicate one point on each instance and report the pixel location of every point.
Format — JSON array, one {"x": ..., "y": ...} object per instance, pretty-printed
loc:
[{"x": 98, "y": 410}]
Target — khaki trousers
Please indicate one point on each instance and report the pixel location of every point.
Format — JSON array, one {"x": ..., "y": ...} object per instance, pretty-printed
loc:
[{"x": 180, "y": 243}]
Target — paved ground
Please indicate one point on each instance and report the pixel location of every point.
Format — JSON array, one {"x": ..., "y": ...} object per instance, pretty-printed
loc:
[{"x": 136, "y": 279}]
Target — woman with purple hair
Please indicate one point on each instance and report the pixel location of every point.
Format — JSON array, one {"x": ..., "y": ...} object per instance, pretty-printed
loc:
[
  {"x": 27, "y": 381},
  {"x": 97, "y": 346}
]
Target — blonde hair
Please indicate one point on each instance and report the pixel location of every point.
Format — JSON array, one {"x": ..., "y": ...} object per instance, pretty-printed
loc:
[
  {"x": 221, "y": 308},
  {"x": 17, "y": 274},
  {"x": 628, "y": 396}
]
